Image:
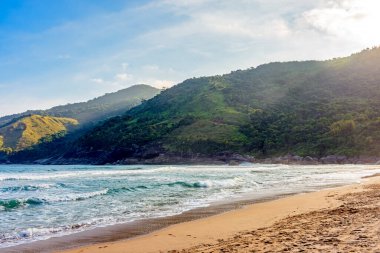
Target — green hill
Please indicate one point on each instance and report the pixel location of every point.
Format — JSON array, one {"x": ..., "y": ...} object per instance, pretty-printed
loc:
[
  {"x": 51, "y": 125},
  {"x": 306, "y": 108},
  {"x": 95, "y": 110},
  {"x": 314, "y": 108},
  {"x": 30, "y": 130}
]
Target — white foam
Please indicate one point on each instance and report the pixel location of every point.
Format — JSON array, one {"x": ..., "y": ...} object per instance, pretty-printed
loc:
[
  {"x": 205, "y": 184},
  {"x": 76, "y": 196},
  {"x": 86, "y": 173},
  {"x": 212, "y": 183}
]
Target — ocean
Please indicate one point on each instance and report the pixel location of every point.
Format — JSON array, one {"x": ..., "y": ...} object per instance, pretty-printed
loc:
[{"x": 38, "y": 202}]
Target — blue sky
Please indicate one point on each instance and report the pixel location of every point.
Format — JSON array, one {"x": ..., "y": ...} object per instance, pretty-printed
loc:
[{"x": 64, "y": 51}]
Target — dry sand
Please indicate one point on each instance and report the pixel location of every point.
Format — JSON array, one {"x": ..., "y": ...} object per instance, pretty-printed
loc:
[{"x": 344, "y": 219}]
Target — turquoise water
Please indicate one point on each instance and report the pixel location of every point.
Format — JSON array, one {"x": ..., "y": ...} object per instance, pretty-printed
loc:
[{"x": 38, "y": 202}]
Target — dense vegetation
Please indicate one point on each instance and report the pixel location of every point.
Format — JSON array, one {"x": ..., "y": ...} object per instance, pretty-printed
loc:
[
  {"x": 306, "y": 108},
  {"x": 24, "y": 130},
  {"x": 30, "y": 130}
]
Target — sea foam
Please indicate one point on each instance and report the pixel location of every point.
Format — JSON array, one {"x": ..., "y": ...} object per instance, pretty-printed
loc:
[{"x": 37, "y": 202}]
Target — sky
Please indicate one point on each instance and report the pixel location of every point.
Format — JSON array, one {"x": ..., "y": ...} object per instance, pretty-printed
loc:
[{"x": 65, "y": 51}]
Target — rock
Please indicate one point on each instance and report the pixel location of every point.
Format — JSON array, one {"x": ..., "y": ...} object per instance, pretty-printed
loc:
[
  {"x": 238, "y": 157},
  {"x": 267, "y": 161},
  {"x": 331, "y": 159},
  {"x": 296, "y": 158},
  {"x": 308, "y": 159},
  {"x": 368, "y": 160},
  {"x": 341, "y": 159},
  {"x": 150, "y": 153},
  {"x": 128, "y": 161},
  {"x": 250, "y": 158},
  {"x": 233, "y": 163},
  {"x": 279, "y": 160},
  {"x": 352, "y": 160}
]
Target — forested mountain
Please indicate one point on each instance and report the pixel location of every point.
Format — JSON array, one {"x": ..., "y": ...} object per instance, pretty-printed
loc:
[
  {"x": 101, "y": 108},
  {"x": 27, "y": 131},
  {"x": 24, "y": 130},
  {"x": 311, "y": 108}
]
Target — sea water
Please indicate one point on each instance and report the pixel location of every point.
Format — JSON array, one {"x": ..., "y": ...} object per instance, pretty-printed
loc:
[{"x": 38, "y": 202}]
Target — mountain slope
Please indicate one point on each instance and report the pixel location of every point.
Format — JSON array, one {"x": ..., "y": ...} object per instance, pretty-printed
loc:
[
  {"x": 308, "y": 108},
  {"x": 85, "y": 115},
  {"x": 311, "y": 108},
  {"x": 30, "y": 130},
  {"x": 101, "y": 108}
]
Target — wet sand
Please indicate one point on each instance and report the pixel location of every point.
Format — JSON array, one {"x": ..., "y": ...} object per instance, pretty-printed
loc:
[
  {"x": 129, "y": 230},
  {"x": 343, "y": 219},
  {"x": 285, "y": 224}
]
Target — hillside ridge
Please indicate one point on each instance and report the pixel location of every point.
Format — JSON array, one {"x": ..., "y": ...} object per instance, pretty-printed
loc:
[
  {"x": 310, "y": 108},
  {"x": 29, "y": 130},
  {"x": 99, "y": 108}
]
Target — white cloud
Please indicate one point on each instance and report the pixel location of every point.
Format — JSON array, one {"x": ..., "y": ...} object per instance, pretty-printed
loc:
[
  {"x": 97, "y": 80},
  {"x": 123, "y": 77},
  {"x": 162, "y": 83},
  {"x": 220, "y": 18},
  {"x": 151, "y": 68},
  {"x": 179, "y": 40},
  {"x": 245, "y": 33},
  {"x": 353, "y": 20},
  {"x": 157, "y": 83}
]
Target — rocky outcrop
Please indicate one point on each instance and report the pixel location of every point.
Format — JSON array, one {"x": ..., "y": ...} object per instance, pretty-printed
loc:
[
  {"x": 333, "y": 159},
  {"x": 169, "y": 158},
  {"x": 155, "y": 154},
  {"x": 330, "y": 159},
  {"x": 235, "y": 159}
]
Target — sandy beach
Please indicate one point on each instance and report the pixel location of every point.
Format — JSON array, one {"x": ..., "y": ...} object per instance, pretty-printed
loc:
[{"x": 342, "y": 219}]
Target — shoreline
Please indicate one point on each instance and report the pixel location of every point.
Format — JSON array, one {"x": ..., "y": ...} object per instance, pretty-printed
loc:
[
  {"x": 138, "y": 228},
  {"x": 204, "y": 234},
  {"x": 147, "y": 230},
  {"x": 226, "y": 158}
]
